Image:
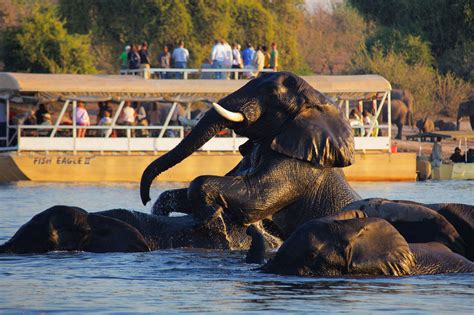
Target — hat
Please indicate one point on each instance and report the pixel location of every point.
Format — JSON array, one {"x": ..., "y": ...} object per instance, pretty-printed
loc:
[{"x": 127, "y": 47}]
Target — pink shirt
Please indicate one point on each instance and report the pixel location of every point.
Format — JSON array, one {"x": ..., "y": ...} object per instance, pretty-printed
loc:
[{"x": 82, "y": 117}]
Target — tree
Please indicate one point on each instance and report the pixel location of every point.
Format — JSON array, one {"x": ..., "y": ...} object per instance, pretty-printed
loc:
[{"x": 41, "y": 44}]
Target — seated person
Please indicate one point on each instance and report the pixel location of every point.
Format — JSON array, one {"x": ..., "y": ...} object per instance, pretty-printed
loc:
[
  {"x": 105, "y": 121},
  {"x": 457, "y": 157}
]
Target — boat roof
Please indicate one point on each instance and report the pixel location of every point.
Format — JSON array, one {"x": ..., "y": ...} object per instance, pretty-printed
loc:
[{"x": 57, "y": 86}]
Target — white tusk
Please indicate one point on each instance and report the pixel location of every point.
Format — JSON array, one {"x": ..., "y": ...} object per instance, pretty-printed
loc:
[{"x": 227, "y": 114}]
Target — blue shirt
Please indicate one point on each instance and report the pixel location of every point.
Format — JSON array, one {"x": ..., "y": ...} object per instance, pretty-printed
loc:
[{"x": 247, "y": 56}]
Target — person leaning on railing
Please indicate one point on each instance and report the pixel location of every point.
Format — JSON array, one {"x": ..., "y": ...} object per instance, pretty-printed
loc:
[
  {"x": 82, "y": 119},
  {"x": 127, "y": 116}
]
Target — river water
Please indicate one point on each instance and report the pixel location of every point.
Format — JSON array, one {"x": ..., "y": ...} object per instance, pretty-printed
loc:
[{"x": 186, "y": 281}]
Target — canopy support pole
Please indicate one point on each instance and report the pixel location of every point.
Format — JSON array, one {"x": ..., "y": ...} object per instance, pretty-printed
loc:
[
  {"x": 377, "y": 114},
  {"x": 167, "y": 121},
  {"x": 74, "y": 131},
  {"x": 114, "y": 121},
  {"x": 389, "y": 116},
  {"x": 60, "y": 118}
]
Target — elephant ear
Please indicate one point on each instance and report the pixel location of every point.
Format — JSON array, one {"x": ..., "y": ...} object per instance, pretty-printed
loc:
[{"x": 320, "y": 135}]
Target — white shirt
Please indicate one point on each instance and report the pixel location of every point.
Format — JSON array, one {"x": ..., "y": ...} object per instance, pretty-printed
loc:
[
  {"x": 128, "y": 115},
  {"x": 227, "y": 55},
  {"x": 180, "y": 54},
  {"x": 236, "y": 58},
  {"x": 217, "y": 52}
]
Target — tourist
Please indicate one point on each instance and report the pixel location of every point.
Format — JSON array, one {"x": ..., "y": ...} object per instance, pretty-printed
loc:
[
  {"x": 236, "y": 59},
  {"x": 248, "y": 55},
  {"x": 180, "y": 57},
  {"x": 155, "y": 118},
  {"x": 356, "y": 123},
  {"x": 457, "y": 157},
  {"x": 142, "y": 120},
  {"x": 134, "y": 58},
  {"x": 266, "y": 54},
  {"x": 227, "y": 58},
  {"x": 217, "y": 58},
  {"x": 82, "y": 119},
  {"x": 128, "y": 116},
  {"x": 42, "y": 110},
  {"x": 259, "y": 61},
  {"x": 145, "y": 60},
  {"x": 274, "y": 57},
  {"x": 164, "y": 61},
  {"x": 104, "y": 107},
  {"x": 105, "y": 121},
  {"x": 436, "y": 153},
  {"x": 47, "y": 121},
  {"x": 124, "y": 58}
]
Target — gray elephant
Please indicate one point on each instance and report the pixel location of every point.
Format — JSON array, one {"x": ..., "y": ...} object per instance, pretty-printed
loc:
[
  {"x": 354, "y": 243},
  {"x": 118, "y": 230},
  {"x": 399, "y": 115},
  {"x": 445, "y": 125},
  {"x": 425, "y": 125},
  {"x": 466, "y": 109},
  {"x": 406, "y": 97},
  {"x": 288, "y": 175},
  {"x": 289, "y": 172}
]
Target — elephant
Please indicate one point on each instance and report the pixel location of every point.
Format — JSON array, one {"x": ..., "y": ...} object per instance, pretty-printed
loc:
[
  {"x": 68, "y": 228},
  {"x": 406, "y": 97},
  {"x": 289, "y": 174},
  {"x": 425, "y": 125},
  {"x": 353, "y": 243},
  {"x": 466, "y": 109},
  {"x": 445, "y": 125},
  {"x": 290, "y": 170}
]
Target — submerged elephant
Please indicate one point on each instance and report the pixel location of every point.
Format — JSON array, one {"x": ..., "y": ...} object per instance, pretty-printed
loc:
[
  {"x": 63, "y": 228},
  {"x": 466, "y": 109},
  {"x": 352, "y": 243},
  {"x": 288, "y": 173}
]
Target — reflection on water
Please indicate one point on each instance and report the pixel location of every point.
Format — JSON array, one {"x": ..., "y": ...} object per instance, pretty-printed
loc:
[{"x": 200, "y": 280}]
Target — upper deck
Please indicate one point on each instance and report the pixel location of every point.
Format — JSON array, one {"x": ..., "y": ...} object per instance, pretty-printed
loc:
[{"x": 177, "y": 98}]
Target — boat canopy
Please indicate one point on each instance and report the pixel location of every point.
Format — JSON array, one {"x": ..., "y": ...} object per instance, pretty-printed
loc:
[{"x": 18, "y": 87}]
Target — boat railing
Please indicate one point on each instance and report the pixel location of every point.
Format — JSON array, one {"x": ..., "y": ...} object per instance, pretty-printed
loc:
[
  {"x": 120, "y": 138},
  {"x": 201, "y": 73}
]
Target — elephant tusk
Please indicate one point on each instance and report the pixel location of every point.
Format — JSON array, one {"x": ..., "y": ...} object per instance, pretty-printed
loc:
[{"x": 227, "y": 114}]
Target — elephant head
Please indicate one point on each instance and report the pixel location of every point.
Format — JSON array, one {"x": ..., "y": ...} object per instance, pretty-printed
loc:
[
  {"x": 277, "y": 108},
  {"x": 339, "y": 246}
]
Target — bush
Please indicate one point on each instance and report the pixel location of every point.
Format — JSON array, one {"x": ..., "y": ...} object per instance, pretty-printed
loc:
[
  {"x": 417, "y": 78},
  {"x": 450, "y": 91},
  {"x": 41, "y": 44}
]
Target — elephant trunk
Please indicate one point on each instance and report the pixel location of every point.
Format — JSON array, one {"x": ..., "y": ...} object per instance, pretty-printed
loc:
[{"x": 206, "y": 128}]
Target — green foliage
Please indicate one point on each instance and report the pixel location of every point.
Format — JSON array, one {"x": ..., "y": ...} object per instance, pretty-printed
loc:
[
  {"x": 42, "y": 44},
  {"x": 445, "y": 24},
  {"x": 412, "y": 48},
  {"x": 198, "y": 22},
  {"x": 460, "y": 61}
]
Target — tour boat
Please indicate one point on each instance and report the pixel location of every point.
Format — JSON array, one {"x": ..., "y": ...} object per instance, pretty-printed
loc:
[{"x": 55, "y": 152}]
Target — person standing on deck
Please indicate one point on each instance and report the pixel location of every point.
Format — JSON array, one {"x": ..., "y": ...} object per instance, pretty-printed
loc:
[
  {"x": 180, "y": 57},
  {"x": 164, "y": 61},
  {"x": 217, "y": 58},
  {"x": 134, "y": 58},
  {"x": 237, "y": 59},
  {"x": 274, "y": 57},
  {"x": 145, "y": 60},
  {"x": 248, "y": 54},
  {"x": 259, "y": 60},
  {"x": 82, "y": 119},
  {"x": 124, "y": 58},
  {"x": 437, "y": 153}
]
